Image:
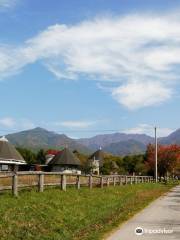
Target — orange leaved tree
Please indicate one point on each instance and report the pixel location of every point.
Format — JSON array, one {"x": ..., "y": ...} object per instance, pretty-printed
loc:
[{"x": 168, "y": 159}]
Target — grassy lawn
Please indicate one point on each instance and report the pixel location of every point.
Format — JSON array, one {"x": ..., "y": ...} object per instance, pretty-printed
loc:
[{"x": 84, "y": 214}]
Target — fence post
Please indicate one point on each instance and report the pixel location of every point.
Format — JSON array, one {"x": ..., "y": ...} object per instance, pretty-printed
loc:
[
  {"x": 78, "y": 184},
  {"x": 135, "y": 180},
  {"x": 142, "y": 180},
  {"x": 63, "y": 182},
  {"x": 90, "y": 181},
  {"x": 125, "y": 180},
  {"x": 107, "y": 182},
  {"x": 120, "y": 180},
  {"x": 41, "y": 182},
  {"x": 15, "y": 185},
  {"x": 114, "y": 181},
  {"x": 131, "y": 180},
  {"x": 101, "y": 182}
]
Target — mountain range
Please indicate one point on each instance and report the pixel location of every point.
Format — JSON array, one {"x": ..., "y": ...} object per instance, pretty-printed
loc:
[
  {"x": 116, "y": 143},
  {"x": 41, "y": 138}
]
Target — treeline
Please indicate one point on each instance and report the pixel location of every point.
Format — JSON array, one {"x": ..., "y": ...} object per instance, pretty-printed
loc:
[
  {"x": 131, "y": 164},
  {"x": 143, "y": 164},
  {"x": 168, "y": 162},
  {"x": 124, "y": 165}
]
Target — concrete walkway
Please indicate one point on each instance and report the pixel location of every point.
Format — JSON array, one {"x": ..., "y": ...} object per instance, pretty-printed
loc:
[{"x": 163, "y": 215}]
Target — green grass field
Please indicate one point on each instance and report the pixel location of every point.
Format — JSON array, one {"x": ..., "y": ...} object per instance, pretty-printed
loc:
[{"x": 75, "y": 214}]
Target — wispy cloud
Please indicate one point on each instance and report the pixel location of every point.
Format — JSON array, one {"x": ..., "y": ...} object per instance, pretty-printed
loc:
[
  {"x": 7, "y": 122},
  {"x": 12, "y": 124},
  {"x": 149, "y": 130},
  {"x": 75, "y": 124},
  {"x": 6, "y": 4},
  {"x": 138, "y": 55}
]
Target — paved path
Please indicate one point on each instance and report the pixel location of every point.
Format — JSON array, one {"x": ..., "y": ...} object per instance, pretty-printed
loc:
[{"x": 163, "y": 213}]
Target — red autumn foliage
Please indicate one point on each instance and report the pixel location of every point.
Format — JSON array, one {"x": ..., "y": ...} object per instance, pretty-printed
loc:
[{"x": 168, "y": 158}]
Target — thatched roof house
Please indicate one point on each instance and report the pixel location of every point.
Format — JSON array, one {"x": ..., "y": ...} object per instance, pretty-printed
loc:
[
  {"x": 95, "y": 161},
  {"x": 9, "y": 156},
  {"x": 64, "y": 160},
  {"x": 99, "y": 156}
]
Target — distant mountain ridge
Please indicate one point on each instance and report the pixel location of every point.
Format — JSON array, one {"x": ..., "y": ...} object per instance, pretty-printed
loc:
[
  {"x": 41, "y": 138},
  {"x": 116, "y": 143},
  {"x": 107, "y": 139},
  {"x": 173, "y": 138},
  {"x": 128, "y": 147}
]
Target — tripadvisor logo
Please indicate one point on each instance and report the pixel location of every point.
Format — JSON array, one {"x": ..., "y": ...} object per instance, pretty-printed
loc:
[{"x": 139, "y": 231}]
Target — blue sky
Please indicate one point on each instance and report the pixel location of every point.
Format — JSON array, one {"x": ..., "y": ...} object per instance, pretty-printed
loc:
[{"x": 84, "y": 67}]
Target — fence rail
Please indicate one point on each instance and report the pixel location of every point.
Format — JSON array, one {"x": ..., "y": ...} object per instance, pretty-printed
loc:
[{"x": 19, "y": 180}]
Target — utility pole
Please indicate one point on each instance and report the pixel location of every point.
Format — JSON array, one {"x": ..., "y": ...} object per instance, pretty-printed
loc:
[{"x": 156, "y": 157}]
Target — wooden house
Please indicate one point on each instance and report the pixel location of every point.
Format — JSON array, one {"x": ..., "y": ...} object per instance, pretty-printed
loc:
[
  {"x": 65, "y": 161},
  {"x": 10, "y": 158}
]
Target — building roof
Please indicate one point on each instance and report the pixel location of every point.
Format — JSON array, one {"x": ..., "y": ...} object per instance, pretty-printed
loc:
[
  {"x": 98, "y": 155},
  {"x": 65, "y": 157},
  {"x": 8, "y": 153}
]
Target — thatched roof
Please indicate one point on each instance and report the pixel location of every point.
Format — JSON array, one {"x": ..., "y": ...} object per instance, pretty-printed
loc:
[
  {"x": 65, "y": 157},
  {"x": 8, "y": 153},
  {"x": 98, "y": 155}
]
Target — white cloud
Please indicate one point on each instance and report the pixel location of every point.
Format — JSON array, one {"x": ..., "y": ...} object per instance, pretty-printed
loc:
[
  {"x": 139, "y": 53},
  {"x": 7, "y": 3},
  {"x": 76, "y": 124},
  {"x": 7, "y": 122},
  {"x": 149, "y": 130},
  {"x": 135, "y": 94}
]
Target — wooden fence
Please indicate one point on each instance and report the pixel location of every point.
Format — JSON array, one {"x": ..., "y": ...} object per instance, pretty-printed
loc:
[{"x": 19, "y": 180}]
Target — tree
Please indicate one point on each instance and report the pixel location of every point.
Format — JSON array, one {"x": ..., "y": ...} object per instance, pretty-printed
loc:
[
  {"x": 108, "y": 166},
  {"x": 28, "y": 155},
  {"x": 134, "y": 164},
  {"x": 168, "y": 158},
  {"x": 84, "y": 161},
  {"x": 41, "y": 157}
]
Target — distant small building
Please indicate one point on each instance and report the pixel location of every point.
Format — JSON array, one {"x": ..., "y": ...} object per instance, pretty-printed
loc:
[
  {"x": 96, "y": 161},
  {"x": 10, "y": 158},
  {"x": 65, "y": 161}
]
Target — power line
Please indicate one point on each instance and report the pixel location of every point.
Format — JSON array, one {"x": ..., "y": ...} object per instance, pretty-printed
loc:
[{"x": 94, "y": 130}]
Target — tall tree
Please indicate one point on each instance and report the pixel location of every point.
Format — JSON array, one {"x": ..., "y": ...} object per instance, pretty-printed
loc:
[
  {"x": 28, "y": 155},
  {"x": 168, "y": 158},
  {"x": 40, "y": 157}
]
